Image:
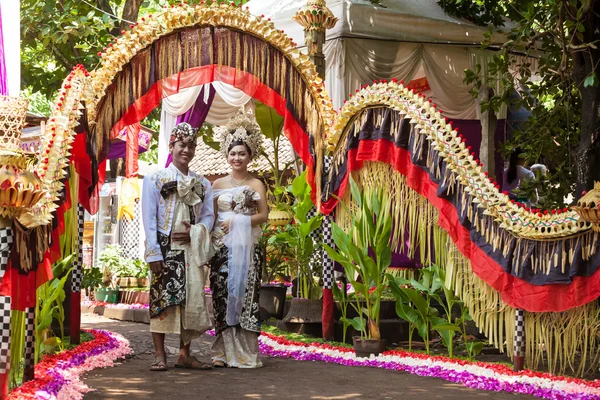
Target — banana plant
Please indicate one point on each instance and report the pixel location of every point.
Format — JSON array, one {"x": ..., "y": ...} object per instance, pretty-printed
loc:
[
  {"x": 271, "y": 125},
  {"x": 344, "y": 301},
  {"x": 50, "y": 298},
  {"x": 414, "y": 308},
  {"x": 370, "y": 229},
  {"x": 298, "y": 237}
]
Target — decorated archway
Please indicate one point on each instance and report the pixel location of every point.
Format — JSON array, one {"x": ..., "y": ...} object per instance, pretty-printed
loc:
[
  {"x": 187, "y": 46},
  {"x": 509, "y": 263}
]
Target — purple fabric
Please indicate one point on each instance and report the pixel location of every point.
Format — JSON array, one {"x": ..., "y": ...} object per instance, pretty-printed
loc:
[
  {"x": 118, "y": 148},
  {"x": 196, "y": 115},
  {"x": 3, "y": 78},
  {"x": 471, "y": 130}
]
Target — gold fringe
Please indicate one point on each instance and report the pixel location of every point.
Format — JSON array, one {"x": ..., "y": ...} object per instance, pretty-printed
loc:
[{"x": 565, "y": 342}]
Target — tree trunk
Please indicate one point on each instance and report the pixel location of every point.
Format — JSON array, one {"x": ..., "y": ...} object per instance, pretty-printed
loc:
[
  {"x": 130, "y": 13},
  {"x": 585, "y": 63},
  {"x": 588, "y": 151},
  {"x": 488, "y": 121}
]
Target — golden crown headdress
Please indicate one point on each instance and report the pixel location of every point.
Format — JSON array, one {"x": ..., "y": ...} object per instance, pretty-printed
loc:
[{"x": 242, "y": 127}]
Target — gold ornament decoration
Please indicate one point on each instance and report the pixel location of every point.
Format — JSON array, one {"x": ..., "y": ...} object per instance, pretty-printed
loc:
[
  {"x": 315, "y": 15},
  {"x": 19, "y": 187},
  {"x": 13, "y": 111},
  {"x": 588, "y": 207},
  {"x": 279, "y": 217},
  {"x": 242, "y": 127},
  {"x": 55, "y": 149},
  {"x": 463, "y": 167}
]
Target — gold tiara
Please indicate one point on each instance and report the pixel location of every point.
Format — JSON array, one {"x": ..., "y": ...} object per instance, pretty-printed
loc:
[{"x": 242, "y": 127}]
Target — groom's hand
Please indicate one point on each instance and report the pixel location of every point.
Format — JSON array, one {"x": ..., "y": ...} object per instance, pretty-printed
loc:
[
  {"x": 156, "y": 266},
  {"x": 183, "y": 237}
]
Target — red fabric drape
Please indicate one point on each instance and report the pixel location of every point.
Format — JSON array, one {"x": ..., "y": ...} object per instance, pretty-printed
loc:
[
  {"x": 241, "y": 80},
  {"x": 132, "y": 150},
  {"x": 327, "y": 317}
]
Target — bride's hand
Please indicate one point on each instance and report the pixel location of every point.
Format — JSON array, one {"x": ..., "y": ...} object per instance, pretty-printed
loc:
[{"x": 225, "y": 226}]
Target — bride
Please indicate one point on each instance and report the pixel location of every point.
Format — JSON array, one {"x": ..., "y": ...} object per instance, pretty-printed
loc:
[{"x": 240, "y": 207}]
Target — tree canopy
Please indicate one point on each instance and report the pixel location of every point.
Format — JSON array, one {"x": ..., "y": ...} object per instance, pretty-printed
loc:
[{"x": 550, "y": 58}]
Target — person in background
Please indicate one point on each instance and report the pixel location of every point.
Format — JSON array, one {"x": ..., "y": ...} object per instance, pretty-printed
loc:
[{"x": 515, "y": 174}]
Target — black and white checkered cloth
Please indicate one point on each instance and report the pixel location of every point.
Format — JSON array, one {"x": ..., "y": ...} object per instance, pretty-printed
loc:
[
  {"x": 327, "y": 237},
  {"x": 4, "y": 334},
  {"x": 519, "y": 342},
  {"x": 130, "y": 237},
  {"x": 6, "y": 241},
  {"x": 77, "y": 274},
  {"x": 316, "y": 256},
  {"x": 29, "y": 351},
  {"x": 327, "y": 261}
]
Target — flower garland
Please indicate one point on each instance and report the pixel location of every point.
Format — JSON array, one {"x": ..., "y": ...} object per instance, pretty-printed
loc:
[
  {"x": 89, "y": 303},
  {"x": 477, "y": 375},
  {"x": 58, "y": 376}
]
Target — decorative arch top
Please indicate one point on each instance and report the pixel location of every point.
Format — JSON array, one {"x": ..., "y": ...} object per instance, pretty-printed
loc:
[
  {"x": 188, "y": 45},
  {"x": 537, "y": 260},
  {"x": 428, "y": 124}
]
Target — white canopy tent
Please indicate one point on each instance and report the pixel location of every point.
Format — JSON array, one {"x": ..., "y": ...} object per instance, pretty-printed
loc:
[{"x": 407, "y": 39}]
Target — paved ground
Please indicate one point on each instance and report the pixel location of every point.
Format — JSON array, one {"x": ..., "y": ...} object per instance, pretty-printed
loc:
[{"x": 279, "y": 379}]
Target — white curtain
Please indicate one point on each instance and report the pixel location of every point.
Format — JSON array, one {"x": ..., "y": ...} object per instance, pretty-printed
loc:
[
  {"x": 227, "y": 101},
  {"x": 173, "y": 106},
  {"x": 352, "y": 62}
]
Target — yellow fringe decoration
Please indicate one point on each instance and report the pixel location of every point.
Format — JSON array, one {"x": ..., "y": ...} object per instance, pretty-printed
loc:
[{"x": 561, "y": 342}]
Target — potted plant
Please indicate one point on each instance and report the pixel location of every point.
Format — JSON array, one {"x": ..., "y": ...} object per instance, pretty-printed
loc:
[
  {"x": 370, "y": 229},
  {"x": 307, "y": 306},
  {"x": 91, "y": 280},
  {"x": 274, "y": 286},
  {"x": 132, "y": 273},
  {"x": 110, "y": 261}
]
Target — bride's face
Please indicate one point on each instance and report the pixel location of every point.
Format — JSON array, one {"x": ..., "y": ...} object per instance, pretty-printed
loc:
[{"x": 239, "y": 158}]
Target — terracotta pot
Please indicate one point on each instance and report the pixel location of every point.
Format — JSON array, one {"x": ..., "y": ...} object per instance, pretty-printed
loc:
[
  {"x": 279, "y": 217},
  {"x": 366, "y": 347},
  {"x": 128, "y": 281}
]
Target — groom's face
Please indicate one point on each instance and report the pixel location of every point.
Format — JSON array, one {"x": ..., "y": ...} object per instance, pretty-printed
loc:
[{"x": 183, "y": 150}]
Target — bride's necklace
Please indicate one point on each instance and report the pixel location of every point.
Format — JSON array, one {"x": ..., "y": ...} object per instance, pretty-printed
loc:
[{"x": 240, "y": 183}]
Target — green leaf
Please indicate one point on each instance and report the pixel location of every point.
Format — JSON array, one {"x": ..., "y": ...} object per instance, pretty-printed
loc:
[
  {"x": 299, "y": 185},
  {"x": 270, "y": 122},
  {"x": 356, "y": 195},
  {"x": 591, "y": 80},
  {"x": 474, "y": 348},
  {"x": 445, "y": 326}
]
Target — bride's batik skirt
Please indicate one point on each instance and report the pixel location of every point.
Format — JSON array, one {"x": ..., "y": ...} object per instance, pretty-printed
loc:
[{"x": 236, "y": 346}]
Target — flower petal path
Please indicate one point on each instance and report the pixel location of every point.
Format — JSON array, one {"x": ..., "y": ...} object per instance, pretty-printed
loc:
[
  {"x": 477, "y": 375},
  {"x": 58, "y": 376}
]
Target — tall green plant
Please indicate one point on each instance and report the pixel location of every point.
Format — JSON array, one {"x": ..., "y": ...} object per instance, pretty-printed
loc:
[
  {"x": 344, "y": 301},
  {"x": 370, "y": 229},
  {"x": 271, "y": 125},
  {"x": 298, "y": 237},
  {"x": 49, "y": 306}
]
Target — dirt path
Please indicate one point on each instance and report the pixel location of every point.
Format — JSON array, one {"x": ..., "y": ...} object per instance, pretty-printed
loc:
[{"x": 279, "y": 379}]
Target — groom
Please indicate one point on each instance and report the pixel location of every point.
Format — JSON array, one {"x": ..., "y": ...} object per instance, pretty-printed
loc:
[{"x": 177, "y": 210}]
